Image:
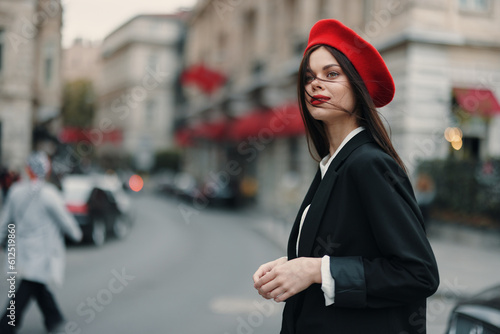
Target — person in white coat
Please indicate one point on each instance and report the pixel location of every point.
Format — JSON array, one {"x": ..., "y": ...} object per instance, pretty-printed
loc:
[{"x": 33, "y": 222}]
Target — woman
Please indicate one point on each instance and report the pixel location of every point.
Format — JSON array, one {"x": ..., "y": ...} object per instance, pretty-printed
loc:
[
  {"x": 358, "y": 257},
  {"x": 37, "y": 209}
]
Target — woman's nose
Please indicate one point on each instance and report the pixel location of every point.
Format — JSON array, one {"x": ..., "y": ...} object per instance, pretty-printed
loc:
[{"x": 316, "y": 84}]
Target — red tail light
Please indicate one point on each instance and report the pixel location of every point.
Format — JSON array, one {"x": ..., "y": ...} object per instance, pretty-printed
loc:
[{"x": 78, "y": 208}]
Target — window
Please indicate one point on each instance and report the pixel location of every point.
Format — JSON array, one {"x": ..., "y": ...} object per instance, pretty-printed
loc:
[
  {"x": 479, "y": 6},
  {"x": 2, "y": 34},
  {"x": 222, "y": 49},
  {"x": 273, "y": 26},
  {"x": 48, "y": 63},
  {"x": 150, "y": 113},
  {"x": 250, "y": 39},
  {"x": 48, "y": 70}
]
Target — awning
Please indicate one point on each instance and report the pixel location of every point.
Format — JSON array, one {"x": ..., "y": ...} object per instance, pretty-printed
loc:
[
  {"x": 213, "y": 130},
  {"x": 183, "y": 137},
  {"x": 480, "y": 102},
  {"x": 248, "y": 125},
  {"x": 291, "y": 119},
  {"x": 208, "y": 80},
  {"x": 282, "y": 121},
  {"x": 94, "y": 136},
  {"x": 71, "y": 135}
]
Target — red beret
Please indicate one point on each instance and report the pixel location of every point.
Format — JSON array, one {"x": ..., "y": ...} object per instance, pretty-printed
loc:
[{"x": 365, "y": 58}]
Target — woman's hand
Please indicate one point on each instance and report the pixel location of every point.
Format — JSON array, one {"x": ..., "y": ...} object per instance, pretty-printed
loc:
[
  {"x": 267, "y": 267},
  {"x": 281, "y": 281}
]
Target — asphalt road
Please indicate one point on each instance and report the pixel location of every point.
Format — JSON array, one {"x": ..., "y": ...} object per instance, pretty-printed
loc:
[
  {"x": 185, "y": 270},
  {"x": 181, "y": 271}
]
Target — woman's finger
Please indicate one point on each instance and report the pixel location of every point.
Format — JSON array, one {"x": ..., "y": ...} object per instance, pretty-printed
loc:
[
  {"x": 270, "y": 286},
  {"x": 269, "y": 276},
  {"x": 258, "y": 274},
  {"x": 284, "y": 296},
  {"x": 263, "y": 269},
  {"x": 277, "y": 292},
  {"x": 265, "y": 295}
]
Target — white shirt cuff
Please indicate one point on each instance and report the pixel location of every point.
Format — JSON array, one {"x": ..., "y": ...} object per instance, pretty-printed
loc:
[{"x": 328, "y": 283}]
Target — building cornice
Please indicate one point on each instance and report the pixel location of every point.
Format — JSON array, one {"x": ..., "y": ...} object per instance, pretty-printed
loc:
[
  {"x": 432, "y": 37},
  {"x": 109, "y": 52},
  {"x": 164, "y": 17}
]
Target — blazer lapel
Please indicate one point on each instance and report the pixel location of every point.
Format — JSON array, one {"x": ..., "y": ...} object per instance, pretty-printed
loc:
[
  {"x": 292, "y": 240},
  {"x": 322, "y": 196}
]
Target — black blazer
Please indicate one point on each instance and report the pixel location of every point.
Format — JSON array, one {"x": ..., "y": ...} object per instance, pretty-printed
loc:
[{"x": 363, "y": 215}]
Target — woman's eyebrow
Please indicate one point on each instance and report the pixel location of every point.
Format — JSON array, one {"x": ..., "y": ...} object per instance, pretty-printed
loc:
[{"x": 330, "y": 65}]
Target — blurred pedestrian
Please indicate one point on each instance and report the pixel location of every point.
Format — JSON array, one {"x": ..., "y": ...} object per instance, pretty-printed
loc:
[
  {"x": 40, "y": 219},
  {"x": 358, "y": 257}
]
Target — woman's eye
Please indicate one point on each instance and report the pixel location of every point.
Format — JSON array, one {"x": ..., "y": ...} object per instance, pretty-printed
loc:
[
  {"x": 309, "y": 78},
  {"x": 332, "y": 75}
]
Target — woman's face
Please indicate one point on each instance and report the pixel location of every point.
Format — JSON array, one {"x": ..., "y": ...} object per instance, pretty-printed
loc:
[{"x": 328, "y": 91}]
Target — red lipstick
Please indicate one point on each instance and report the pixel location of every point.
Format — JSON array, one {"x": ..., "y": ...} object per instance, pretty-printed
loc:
[{"x": 319, "y": 99}]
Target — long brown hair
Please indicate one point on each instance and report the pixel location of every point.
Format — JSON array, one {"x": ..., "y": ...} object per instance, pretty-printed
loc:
[{"x": 365, "y": 112}]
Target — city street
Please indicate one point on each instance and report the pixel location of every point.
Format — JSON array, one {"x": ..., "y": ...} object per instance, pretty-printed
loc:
[
  {"x": 236, "y": 103},
  {"x": 171, "y": 275},
  {"x": 187, "y": 270}
]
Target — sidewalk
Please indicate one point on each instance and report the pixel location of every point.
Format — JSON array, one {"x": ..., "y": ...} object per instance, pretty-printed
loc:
[{"x": 468, "y": 259}]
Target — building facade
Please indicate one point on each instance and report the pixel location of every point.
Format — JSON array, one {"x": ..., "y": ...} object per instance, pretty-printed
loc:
[
  {"x": 444, "y": 56},
  {"x": 140, "y": 64},
  {"x": 30, "y": 77},
  {"x": 82, "y": 60}
]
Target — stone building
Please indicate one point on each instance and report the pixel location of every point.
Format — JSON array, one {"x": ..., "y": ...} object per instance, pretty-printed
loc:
[
  {"x": 82, "y": 60},
  {"x": 136, "y": 94},
  {"x": 30, "y": 78},
  {"x": 443, "y": 54}
]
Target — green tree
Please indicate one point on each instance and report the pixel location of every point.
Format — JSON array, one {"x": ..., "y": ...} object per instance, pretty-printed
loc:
[{"x": 78, "y": 103}]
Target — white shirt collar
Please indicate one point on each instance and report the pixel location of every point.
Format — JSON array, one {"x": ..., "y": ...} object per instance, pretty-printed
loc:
[{"x": 326, "y": 161}]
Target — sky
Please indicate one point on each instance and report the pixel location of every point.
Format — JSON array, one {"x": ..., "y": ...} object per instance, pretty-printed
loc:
[{"x": 94, "y": 19}]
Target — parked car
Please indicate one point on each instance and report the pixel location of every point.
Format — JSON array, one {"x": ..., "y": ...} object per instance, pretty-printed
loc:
[
  {"x": 100, "y": 206},
  {"x": 221, "y": 194},
  {"x": 185, "y": 187},
  {"x": 164, "y": 182},
  {"x": 479, "y": 314}
]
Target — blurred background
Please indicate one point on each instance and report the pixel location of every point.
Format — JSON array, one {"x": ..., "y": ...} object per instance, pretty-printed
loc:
[{"x": 181, "y": 117}]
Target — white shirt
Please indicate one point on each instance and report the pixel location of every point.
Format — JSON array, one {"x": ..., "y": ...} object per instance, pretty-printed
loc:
[{"x": 328, "y": 283}]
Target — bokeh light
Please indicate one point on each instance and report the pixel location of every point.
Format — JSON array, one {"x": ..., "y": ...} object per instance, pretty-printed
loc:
[
  {"x": 136, "y": 183},
  {"x": 457, "y": 144},
  {"x": 454, "y": 136}
]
